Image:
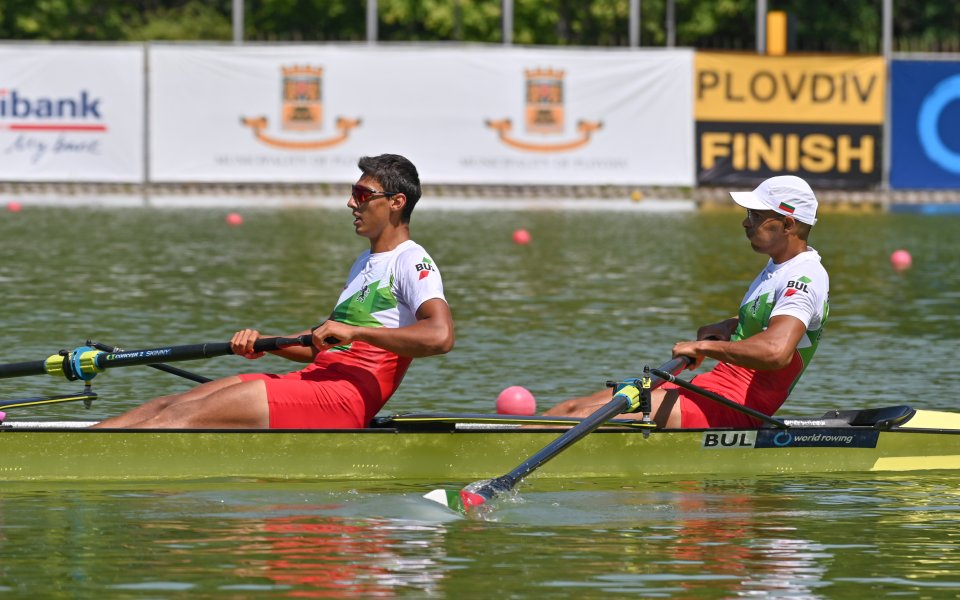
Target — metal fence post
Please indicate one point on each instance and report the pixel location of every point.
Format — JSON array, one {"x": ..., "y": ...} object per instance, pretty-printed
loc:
[
  {"x": 372, "y": 21},
  {"x": 237, "y": 21}
]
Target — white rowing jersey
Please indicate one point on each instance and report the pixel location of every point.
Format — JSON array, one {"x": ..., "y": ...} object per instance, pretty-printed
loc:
[
  {"x": 386, "y": 289},
  {"x": 799, "y": 288},
  {"x": 383, "y": 290}
]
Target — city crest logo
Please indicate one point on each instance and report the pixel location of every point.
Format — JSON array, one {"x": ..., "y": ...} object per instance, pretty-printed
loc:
[
  {"x": 544, "y": 115},
  {"x": 301, "y": 111}
]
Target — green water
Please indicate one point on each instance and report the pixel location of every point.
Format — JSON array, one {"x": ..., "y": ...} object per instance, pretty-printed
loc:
[{"x": 596, "y": 295}]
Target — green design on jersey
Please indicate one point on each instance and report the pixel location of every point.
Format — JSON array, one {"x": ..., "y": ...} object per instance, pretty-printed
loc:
[
  {"x": 754, "y": 317},
  {"x": 359, "y": 308}
]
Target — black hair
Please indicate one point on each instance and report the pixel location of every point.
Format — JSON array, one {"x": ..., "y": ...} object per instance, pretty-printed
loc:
[{"x": 396, "y": 174}]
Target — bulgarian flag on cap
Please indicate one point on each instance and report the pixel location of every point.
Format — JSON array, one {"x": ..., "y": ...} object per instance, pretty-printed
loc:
[{"x": 786, "y": 207}]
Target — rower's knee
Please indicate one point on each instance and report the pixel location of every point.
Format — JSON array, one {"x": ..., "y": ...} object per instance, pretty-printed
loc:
[
  {"x": 560, "y": 410},
  {"x": 578, "y": 407}
]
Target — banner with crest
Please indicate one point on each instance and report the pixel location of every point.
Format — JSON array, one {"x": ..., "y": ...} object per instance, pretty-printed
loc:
[{"x": 463, "y": 115}]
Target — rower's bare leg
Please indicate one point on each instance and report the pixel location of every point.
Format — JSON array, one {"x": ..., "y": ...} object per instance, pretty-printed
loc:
[
  {"x": 239, "y": 406},
  {"x": 150, "y": 409},
  {"x": 666, "y": 407}
]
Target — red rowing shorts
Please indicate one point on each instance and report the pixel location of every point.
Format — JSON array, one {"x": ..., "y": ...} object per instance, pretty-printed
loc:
[
  {"x": 312, "y": 399},
  {"x": 756, "y": 390}
]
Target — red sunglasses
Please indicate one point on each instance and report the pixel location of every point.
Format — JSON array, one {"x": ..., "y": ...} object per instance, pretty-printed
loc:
[{"x": 364, "y": 194}]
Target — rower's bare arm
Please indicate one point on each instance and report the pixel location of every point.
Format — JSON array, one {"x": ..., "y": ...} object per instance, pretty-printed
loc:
[
  {"x": 718, "y": 331},
  {"x": 772, "y": 348},
  {"x": 431, "y": 334}
]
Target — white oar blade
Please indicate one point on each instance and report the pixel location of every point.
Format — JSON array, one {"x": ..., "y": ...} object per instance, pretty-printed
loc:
[
  {"x": 448, "y": 498},
  {"x": 459, "y": 501}
]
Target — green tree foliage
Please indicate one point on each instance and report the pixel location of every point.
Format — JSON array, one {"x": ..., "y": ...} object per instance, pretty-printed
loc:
[
  {"x": 93, "y": 20},
  {"x": 194, "y": 20},
  {"x": 305, "y": 20},
  {"x": 929, "y": 26},
  {"x": 455, "y": 20},
  {"x": 818, "y": 25}
]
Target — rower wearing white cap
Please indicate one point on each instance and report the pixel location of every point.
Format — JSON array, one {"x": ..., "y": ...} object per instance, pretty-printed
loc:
[{"x": 764, "y": 349}]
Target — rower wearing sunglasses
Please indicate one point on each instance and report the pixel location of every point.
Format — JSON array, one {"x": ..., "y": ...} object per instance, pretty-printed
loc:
[{"x": 391, "y": 310}]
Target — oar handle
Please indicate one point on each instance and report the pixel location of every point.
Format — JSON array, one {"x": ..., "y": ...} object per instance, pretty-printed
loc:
[
  {"x": 102, "y": 360},
  {"x": 23, "y": 369},
  {"x": 86, "y": 362}
]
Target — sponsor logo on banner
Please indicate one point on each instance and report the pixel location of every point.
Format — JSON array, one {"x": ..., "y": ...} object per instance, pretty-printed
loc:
[
  {"x": 301, "y": 110},
  {"x": 928, "y": 122},
  {"x": 544, "y": 115},
  {"x": 925, "y": 122},
  {"x": 819, "y": 118},
  {"x": 51, "y": 125}
]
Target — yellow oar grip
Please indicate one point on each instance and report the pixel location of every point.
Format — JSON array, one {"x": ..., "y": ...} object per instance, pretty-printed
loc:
[
  {"x": 632, "y": 394},
  {"x": 54, "y": 365},
  {"x": 88, "y": 362}
]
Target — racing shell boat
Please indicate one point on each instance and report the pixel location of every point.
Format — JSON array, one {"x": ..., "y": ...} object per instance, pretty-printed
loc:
[{"x": 447, "y": 447}]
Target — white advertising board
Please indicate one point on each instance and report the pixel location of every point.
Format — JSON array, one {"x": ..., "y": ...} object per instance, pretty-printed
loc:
[
  {"x": 71, "y": 113},
  {"x": 463, "y": 115}
]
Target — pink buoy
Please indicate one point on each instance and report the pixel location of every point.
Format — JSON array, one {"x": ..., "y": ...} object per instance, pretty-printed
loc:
[
  {"x": 901, "y": 260},
  {"x": 521, "y": 237},
  {"x": 234, "y": 219},
  {"x": 516, "y": 400}
]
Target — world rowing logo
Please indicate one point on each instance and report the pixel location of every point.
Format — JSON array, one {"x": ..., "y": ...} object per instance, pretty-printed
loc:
[
  {"x": 783, "y": 438},
  {"x": 817, "y": 437},
  {"x": 301, "y": 111},
  {"x": 544, "y": 115}
]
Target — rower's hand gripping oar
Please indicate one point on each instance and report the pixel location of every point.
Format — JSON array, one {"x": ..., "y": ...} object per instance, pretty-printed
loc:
[
  {"x": 626, "y": 399},
  {"x": 85, "y": 362}
]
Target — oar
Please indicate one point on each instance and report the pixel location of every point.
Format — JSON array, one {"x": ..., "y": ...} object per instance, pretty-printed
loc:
[
  {"x": 158, "y": 366},
  {"x": 626, "y": 399},
  {"x": 85, "y": 362}
]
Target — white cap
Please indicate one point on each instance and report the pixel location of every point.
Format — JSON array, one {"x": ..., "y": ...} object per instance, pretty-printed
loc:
[{"x": 785, "y": 194}]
